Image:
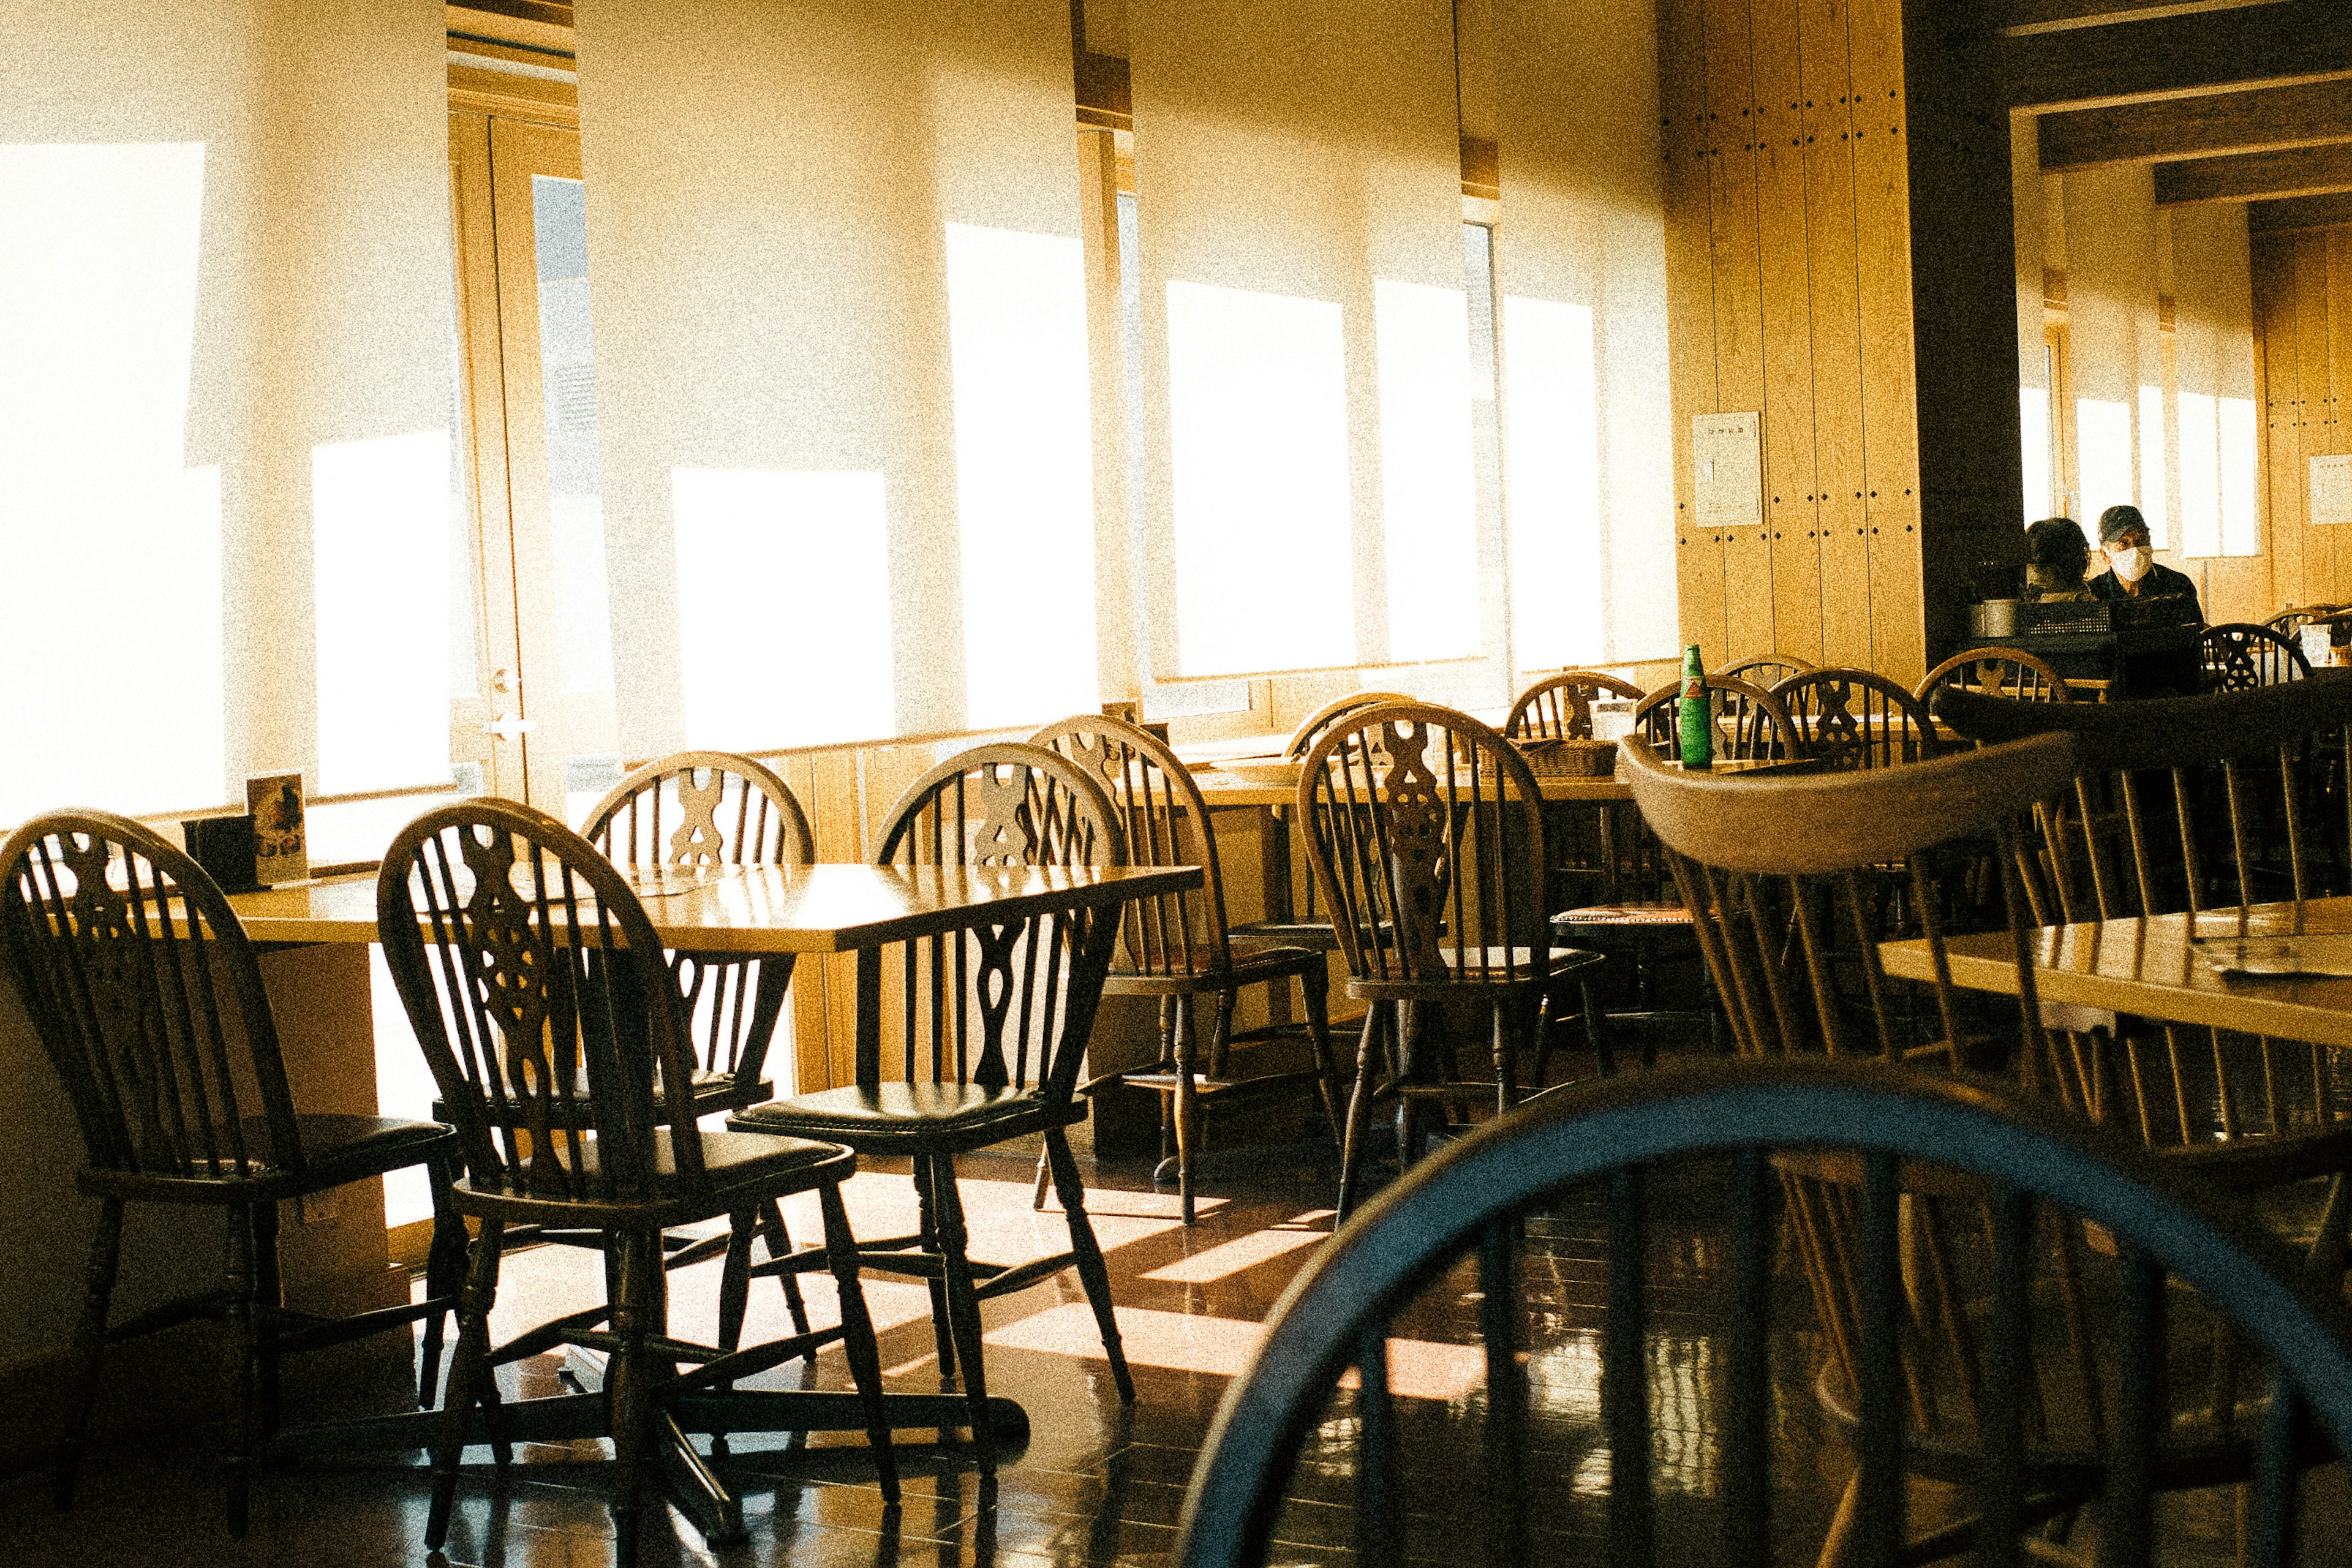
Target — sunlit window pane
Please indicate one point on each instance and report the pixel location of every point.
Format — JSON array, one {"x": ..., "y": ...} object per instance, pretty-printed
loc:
[
  {"x": 1430, "y": 529},
  {"x": 2201, "y": 476},
  {"x": 1025, "y": 483},
  {"x": 786, "y": 641},
  {"x": 2151, "y": 466},
  {"x": 2241, "y": 528},
  {"x": 2033, "y": 423},
  {"x": 2103, "y": 443},
  {"x": 567, "y": 355},
  {"x": 110, "y": 545},
  {"x": 379, "y": 565},
  {"x": 1258, "y": 438},
  {"x": 1552, "y": 482}
]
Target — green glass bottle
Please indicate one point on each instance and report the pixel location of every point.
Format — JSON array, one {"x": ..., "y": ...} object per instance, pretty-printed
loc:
[{"x": 1698, "y": 714}]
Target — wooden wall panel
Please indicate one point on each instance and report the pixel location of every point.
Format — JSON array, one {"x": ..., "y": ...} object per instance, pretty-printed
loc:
[
  {"x": 1889, "y": 391},
  {"x": 1690, "y": 308},
  {"x": 2324, "y": 550},
  {"x": 1836, "y": 324},
  {"x": 1738, "y": 305},
  {"x": 1791, "y": 516},
  {"x": 2274, "y": 385},
  {"x": 1817, "y": 316}
]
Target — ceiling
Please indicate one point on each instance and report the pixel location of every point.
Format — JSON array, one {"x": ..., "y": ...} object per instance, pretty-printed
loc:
[{"x": 2232, "y": 101}]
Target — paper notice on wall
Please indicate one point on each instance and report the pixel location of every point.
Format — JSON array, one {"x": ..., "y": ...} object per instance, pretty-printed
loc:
[
  {"x": 1728, "y": 455},
  {"x": 2331, "y": 488}
]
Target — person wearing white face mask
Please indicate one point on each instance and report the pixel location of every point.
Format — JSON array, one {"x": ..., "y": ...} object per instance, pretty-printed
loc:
[{"x": 2132, "y": 572}]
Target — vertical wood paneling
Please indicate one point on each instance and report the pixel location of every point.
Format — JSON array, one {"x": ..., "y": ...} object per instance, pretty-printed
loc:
[
  {"x": 2324, "y": 552},
  {"x": 2275, "y": 375},
  {"x": 1738, "y": 317},
  {"x": 1791, "y": 514},
  {"x": 1690, "y": 309},
  {"x": 1824, "y": 44},
  {"x": 1889, "y": 391}
]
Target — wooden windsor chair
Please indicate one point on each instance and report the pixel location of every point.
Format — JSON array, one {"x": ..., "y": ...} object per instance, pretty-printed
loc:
[
  {"x": 2288, "y": 622},
  {"x": 990, "y": 1036},
  {"x": 1749, "y": 722},
  {"x": 1560, "y": 707},
  {"x": 1765, "y": 669},
  {"x": 2196, "y": 804},
  {"x": 1426, "y": 834},
  {"x": 1643, "y": 919},
  {"x": 682, "y": 819},
  {"x": 147, "y": 998},
  {"x": 1775, "y": 870},
  {"x": 1305, "y": 926},
  {"x": 560, "y": 1041},
  {"x": 1175, "y": 948},
  {"x": 1462, "y": 1243},
  {"x": 1854, "y": 719},
  {"x": 2240, "y": 657},
  {"x": 1997, "y": 672}
]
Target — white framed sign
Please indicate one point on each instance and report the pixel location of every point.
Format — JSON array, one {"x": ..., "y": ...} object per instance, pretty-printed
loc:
[
  {"x": 2331, "y": 488},
  {"x": 1727, "y": 461}
]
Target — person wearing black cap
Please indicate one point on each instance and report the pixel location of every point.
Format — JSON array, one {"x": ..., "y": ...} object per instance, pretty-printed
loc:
[{"x": 2132, "y": 572}]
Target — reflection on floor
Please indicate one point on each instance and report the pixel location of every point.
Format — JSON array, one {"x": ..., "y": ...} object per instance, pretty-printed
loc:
[{"x": 1098, "y": 1483}]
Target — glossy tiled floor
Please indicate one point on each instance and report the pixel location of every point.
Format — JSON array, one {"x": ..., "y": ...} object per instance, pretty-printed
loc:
[{"x": 1098, "y": 1483}]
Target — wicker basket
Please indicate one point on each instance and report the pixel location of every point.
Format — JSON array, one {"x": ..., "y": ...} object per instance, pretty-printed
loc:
[{"x": 1569, "y": 759}]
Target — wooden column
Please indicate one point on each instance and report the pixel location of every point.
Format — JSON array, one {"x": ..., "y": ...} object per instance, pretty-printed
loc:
[{"x": 1838, "y": 235}]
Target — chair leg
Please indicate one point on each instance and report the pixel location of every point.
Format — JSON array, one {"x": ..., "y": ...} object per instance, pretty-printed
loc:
[
  {"x": 1596, "y": 1031},
  {"x": 1188, "y": 1103},
  {"x": 268, "y": 1300},
  {"x": 780, "y": 1244},
  {"x": 1042, "y": 1179},
  {"x": 469, "y": 1372},
  {"x": 628, "y": 1378},
  {"x": 963, "y": 1306},
  {"x": 1505, "y": 1026},
  {"x": 242, "y": 1348},
  {"x": 1313, "y": 1000},
  {"x": 1092, "y": 1274},
  {"x": 445, "y": 1275},
  {"x": 90, "y": 1341},
  {"x": 857, "y": 1336},
  {"x": 1411, "y": 1043},
  {"x": 926, "y": 1207},
  {"x": 1359, "y": 1109}
]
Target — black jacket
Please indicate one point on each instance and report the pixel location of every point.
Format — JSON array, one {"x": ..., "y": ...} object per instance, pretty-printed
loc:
[{"x": 2161, "y": 583}]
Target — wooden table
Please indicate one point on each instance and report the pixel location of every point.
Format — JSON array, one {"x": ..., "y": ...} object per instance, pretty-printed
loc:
[
  {"x": 1222, "y": 789},
  {"x": 753, "y": 908},
  {"x": 2145, "y": 966}
]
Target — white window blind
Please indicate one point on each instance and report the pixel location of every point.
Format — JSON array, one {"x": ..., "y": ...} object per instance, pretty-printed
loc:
[
  {"x": 1307, "y": 439},
  {"x": 224, "y": 400},
  {"x": 840, "y": 322},
  {"x": 1588, "y": 436},
  {"x": 2214, "y": 376}
]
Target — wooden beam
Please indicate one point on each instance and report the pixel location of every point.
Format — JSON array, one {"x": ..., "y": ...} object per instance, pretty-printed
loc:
[
  {"x": 2301, "y": 171},
  {"x": 2049, "y": 16},
  {"x": 2214, "y": 125},
  {"x": 2300, "y": 212},
  {"x": 2177, "y": 55}
]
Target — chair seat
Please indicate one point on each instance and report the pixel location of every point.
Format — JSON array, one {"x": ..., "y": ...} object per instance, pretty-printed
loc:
[
  {"x": 712, "y": 1091},
  {"x": 336, "y": 1149},
  {"x": 1624, "y": 915},
  {"x": 1492, "y": 967},
  {"x": 934, "y": 1117},
  {"x": 1251, "y": 966},
  {"x": 733, "y": 1163}
]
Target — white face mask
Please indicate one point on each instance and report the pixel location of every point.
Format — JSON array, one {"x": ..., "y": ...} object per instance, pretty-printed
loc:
[{"x": 2131, "y": 565}]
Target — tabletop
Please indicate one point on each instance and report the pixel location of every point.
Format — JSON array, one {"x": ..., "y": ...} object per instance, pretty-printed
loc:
[
  {"x": 771, "y": 908},
  {"x": 2145, "y": 965},
  {"x": 1223, "y": 789}
]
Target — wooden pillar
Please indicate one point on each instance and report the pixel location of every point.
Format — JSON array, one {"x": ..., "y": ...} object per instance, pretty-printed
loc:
[{"x": 1838, "y": 238}]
